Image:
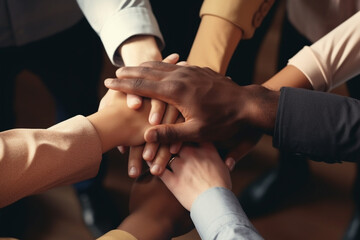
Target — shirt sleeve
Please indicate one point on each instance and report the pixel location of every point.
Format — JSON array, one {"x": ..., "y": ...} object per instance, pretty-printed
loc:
[
  {"x": 217, "y": 214},
  {"x": 223, "y": 25},
  {"x": 246, "y": 14},
  {"x": 35, "y": 160},
  {"x": 117, "y": 20},
  {"x": 323, "y": 126},
  {"x": 333, "y": 59}
]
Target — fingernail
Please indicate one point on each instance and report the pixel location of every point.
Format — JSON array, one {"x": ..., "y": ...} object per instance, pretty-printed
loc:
[
  {"x": 172, "y": 56},
  {"x": 121, "y": 149},
  {"x": 133, "y": 171},
  {"x": 108, "y": 82},
  {"x": 155, "y": 169},
  {"x": 152, "y": 136},
  {"x": 230, "y": 162},
  {"x": 154, "y": 119},
  {"x": 134, "y": 102},
  {"x": 174, "y": 148},
  {"x": 147, "y": 155}
]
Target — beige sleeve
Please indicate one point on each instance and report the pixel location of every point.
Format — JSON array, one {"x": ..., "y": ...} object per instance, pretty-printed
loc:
[
  {"x": 117, "y": 235},
  {"x": 246, "y": 14},
  {"x": 223, "y": 25},
  {"x": 333, "y": 59},
  {"x": 34, "y": 160}
]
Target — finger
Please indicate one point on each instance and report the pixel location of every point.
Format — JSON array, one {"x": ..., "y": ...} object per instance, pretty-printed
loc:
[
  {"x": 183, "y": 63},
  {"x": 170, "y": 115},
  {"x": 161, "y": 160},
  {"x": 172, "y": 58},
  {"x": 142, "y": 87},
  {"x": 122, "y": 149},
  {"x": 175, "y": 147},
  {"x": 160, "y": 66},
  {"x": 150, "y": 151},
  {"x": 149, "y": 70},
  {"x": 135, "y": 161},
  {"x": 171, "y": 133},
  {"x": 141, "y": 72},
  {"x": 230, "y": 163},
  {"x": 156, "y": 112},
  {"x": 133, "y": 101}
]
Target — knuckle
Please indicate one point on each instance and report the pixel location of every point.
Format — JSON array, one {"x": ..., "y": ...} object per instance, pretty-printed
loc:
[
  {"x": 137, "y": 83},
  {"x": 170, "y": 134},
  {"x": 177, "y": 87},
  {"x": 144, "y": 71}
]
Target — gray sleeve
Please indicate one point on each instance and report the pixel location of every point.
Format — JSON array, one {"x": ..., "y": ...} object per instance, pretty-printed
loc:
[
  {"x": 322, "y": 126},
  {"x": 217, "y": 214},
  {"x": 117, "y": 20}
]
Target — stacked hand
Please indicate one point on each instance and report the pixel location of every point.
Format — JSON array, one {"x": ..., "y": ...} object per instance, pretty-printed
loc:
[{"x": 214, "y": 107}]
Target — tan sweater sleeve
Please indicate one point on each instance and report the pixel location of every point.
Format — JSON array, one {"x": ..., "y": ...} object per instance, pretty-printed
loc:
[
  {"x": 34, "y": 160},
  {"x": 246, "y": 14},
  {"x": 223, "y": 25},
  {"x": 117, "y": 235}
]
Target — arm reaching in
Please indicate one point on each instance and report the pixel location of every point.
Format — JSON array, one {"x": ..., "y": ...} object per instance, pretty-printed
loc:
[
  {"x": 201, "y": 182},
  {"x": 34, "y": 160}
]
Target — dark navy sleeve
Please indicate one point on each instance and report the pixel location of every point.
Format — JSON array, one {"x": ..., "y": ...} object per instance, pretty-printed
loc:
[{"x": 323, "y": 126}]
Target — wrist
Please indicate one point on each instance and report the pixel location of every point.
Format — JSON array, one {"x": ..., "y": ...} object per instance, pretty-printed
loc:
[
  {"x": 261, "y": 108},
  {"x": 117, "y": 125},
  {"x": 139, "y": 49}
]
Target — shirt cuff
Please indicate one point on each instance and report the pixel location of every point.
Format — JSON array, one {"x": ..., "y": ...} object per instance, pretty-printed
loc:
[
  {"x": 246, "y": 14},
  {"x": 125, "y": 24},
  {"x": 215, "y": 209},
  {"x": 306, "y": 61},
  {"x": 322, "y": 133}
]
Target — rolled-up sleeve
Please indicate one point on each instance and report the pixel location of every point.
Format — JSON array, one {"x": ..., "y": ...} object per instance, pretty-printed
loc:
[
  {"x": 333, "y": 59},
  {"x": 246, "y": 14},
  {"x": 323, "y": 126},
  {"x": 217, "y": 214},
  {"x": 115, "y": 21}
]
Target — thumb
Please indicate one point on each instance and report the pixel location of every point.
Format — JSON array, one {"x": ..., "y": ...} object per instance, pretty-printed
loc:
[
  {"x": 172, "y": 58},
  {"x": 172, "y": 133}
]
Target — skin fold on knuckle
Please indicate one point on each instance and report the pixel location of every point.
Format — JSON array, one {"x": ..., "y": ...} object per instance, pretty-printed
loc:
[{"x": 168, "y": 134}]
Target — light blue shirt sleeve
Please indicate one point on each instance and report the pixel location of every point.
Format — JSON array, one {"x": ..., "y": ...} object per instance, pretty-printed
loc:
[
  {"x": 217, "y": 214},
  {"x": 117, "y": 20}
]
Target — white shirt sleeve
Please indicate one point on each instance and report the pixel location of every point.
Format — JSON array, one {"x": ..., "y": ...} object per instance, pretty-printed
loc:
[
  {"x": 217, "y": 214},
  {"x": 117, "y": 20},
  {"x": 333, "y": 59}
]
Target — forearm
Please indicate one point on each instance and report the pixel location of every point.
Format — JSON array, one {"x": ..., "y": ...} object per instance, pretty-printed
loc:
[
  {"x": 139, "y": 49},
  {"x": 215, "y": 43},
  {"x": 289, "y": 76}
]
